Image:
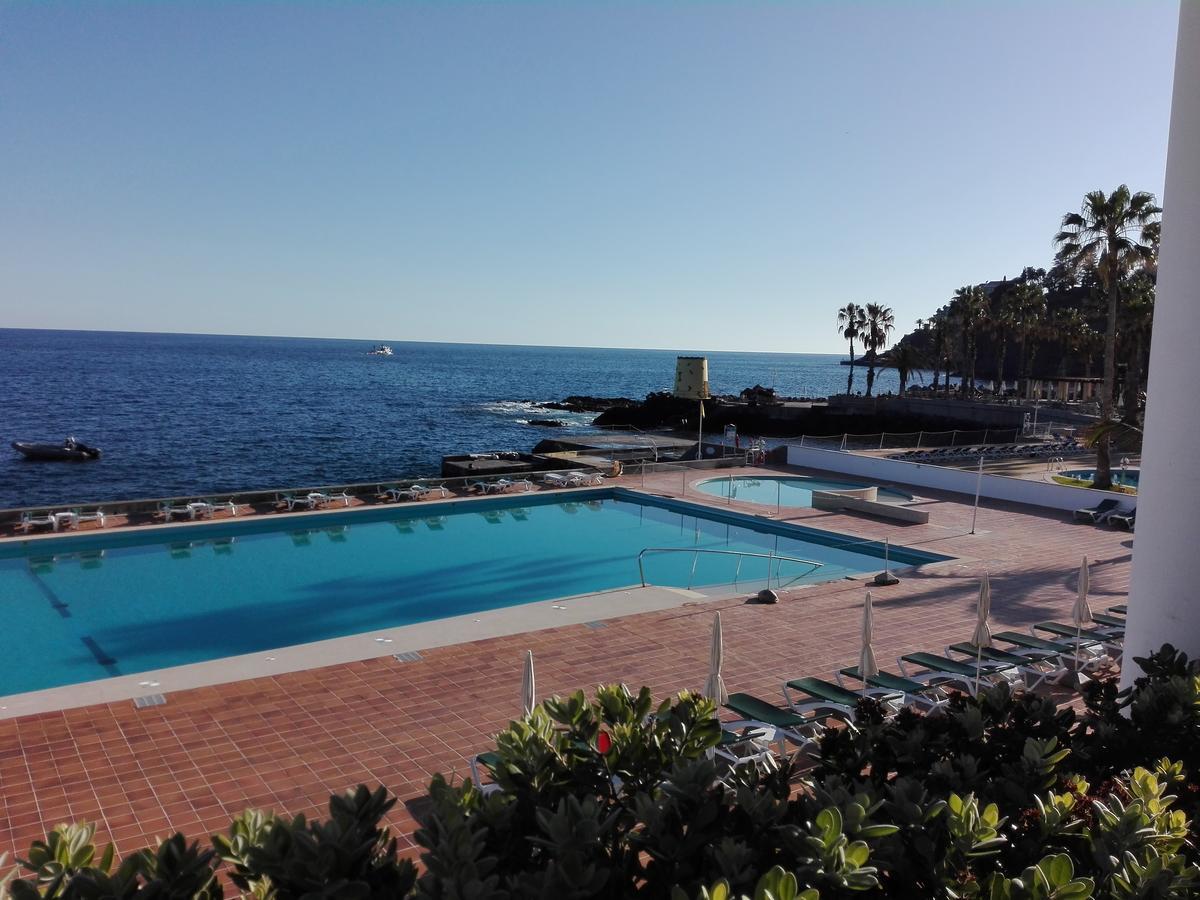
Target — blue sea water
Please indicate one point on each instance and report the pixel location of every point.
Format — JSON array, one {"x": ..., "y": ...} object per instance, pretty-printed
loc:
[
  {"x": 92, "y": 606},
  {"x": 182, "y": 414}
]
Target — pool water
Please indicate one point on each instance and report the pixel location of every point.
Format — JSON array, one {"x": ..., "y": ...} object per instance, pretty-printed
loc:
[
  {"x": 91, "y": 607},
  {"x": 1128, "y": 478},
  {"x": 790, "y": 490}
]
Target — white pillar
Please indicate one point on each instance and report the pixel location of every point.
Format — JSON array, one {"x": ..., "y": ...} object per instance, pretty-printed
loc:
[{"x": 1163, "y": 602}]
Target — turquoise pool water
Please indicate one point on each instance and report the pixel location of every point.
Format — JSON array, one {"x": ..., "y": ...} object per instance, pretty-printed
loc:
[
  {"x": 81, "y": 608},
  {"x": 1128, "y": 478},
  {"x": 790, "y": 490}
]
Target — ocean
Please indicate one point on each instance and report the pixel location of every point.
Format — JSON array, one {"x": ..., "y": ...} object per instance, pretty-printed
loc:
[{"x": 183, "y": 414}]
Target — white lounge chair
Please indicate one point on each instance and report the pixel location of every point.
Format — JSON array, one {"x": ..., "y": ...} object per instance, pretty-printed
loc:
[
  {"x": 554, "y": 479},
  {"x": 524, "y": 483},
  {"x": 168, "y": 512},
  {"x": 29, "y": 521},
  {"x": 229, "y": 505},
  {"x": 97, "y": 516},
  {"x": 423, "y": 490},
  {"x": 489, "y": 487}
]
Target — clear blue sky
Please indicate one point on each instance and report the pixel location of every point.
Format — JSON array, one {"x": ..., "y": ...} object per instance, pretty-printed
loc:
[{"x": 677, "y": 175}]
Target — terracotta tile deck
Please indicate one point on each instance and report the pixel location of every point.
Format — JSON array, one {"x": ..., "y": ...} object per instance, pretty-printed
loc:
[{"x": 286, "y": 742}]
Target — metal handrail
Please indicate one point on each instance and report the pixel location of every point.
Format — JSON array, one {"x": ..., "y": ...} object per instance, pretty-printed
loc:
[{"x": 740, "y": 554}]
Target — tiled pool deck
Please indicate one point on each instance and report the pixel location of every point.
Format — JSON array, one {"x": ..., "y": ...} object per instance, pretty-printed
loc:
[{"x": 285, "y": 742}]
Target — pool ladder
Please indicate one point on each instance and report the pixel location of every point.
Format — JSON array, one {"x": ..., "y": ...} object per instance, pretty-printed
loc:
[{"x": 740, "y": 554}]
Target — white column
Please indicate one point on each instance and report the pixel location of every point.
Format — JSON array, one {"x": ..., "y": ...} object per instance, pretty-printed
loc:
[{"x": 1164, "y": 597}]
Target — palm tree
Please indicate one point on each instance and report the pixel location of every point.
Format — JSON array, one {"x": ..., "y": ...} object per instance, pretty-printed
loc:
[
  {"x": 1005, "y": 315},
  {"x": 876, "y": 330},
  {"x": 1111, "y": 234},
  {"x": 970, "y": 309},
  {"x": 851, "y": 319},
  {"x": 938, "y": 327},
  {"x": 1030, "y": 303},
  {"x": 905, "y": 358}
]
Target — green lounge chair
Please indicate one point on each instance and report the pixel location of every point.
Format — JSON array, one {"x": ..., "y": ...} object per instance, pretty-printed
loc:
[
  {"x": 965, "y": 673},
  {"x": 1109, "y": 621},
  {"x": 1090, "y": 654},
  {"x": 929, "y": 694},
  {"x": 1119, "y": 610},
  {"x": 1037, "y": 666},
  {"x": 788, "y": 724},
  {"x": 1108, "y": 638},
  {"x": 832, "y": 696}
]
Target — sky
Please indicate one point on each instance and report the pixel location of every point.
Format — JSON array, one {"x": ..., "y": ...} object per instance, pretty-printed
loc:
[{"x": 680, "y": 175}]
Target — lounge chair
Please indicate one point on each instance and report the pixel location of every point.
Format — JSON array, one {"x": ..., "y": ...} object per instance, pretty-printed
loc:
[
  {"x": 739, "y": 746},
  {"x": 1089, "y": 653},
  {"x": 1123, "y": 519},
  {"x": 790, "y": 725},
  {"x": 489, "y": 487},
  {"x": 29, "y": 521},
  {"x": 928, "y": 694},
  {"x": 421, "y": 491},
  {"x": 554, "y": 479},
  {"x": 834, "y": 696},
  {"x": 1037, "y": 666},
  {"x": 523, "y": 483},
  {"x": 168, "y": 512},
  {"x": 97, "y": 516},
  {"x": 228, "y": 505},
  {"x": 1109, "y": 621},
  {"x": 1108, "y": 637},
  {"x": 1120, "y": 609},
  {"x": 966, "y": 673},
  {"x": 488, "y": 762},
  {"x": 1098, "y": 513},
  {"x": 343, "y": 496}
]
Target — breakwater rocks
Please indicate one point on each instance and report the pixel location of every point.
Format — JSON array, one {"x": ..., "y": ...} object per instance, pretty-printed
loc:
[{"x": 582, "y": 403}]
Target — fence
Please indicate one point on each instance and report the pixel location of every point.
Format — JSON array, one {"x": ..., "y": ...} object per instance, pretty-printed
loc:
[{"x": 911, "y": 440}]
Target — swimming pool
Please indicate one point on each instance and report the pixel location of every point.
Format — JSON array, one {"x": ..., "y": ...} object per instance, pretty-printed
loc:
[
  {"x": 1128, "y": 477},
  {"x": 787, "y": 490},
  {"x": 89, "y": 607}
]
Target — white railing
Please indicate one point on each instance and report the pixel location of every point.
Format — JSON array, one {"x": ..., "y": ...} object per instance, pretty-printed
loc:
[{"x": 740, "y": 554}]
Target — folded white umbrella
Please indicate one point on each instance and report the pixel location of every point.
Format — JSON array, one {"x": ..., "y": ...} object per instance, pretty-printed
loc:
[
  {"x": 528, "y": 686},
  {"x": 983, "y": 632},
  {"x": 714, "y": 687},
  {"x": 1081, "y": 613},
  {"x": 867, "y": 667}
]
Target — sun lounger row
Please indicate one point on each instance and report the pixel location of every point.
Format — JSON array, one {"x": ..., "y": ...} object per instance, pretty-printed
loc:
[
  {"x": 1050, "y": 652},
  {"x": 58, "y": 521},
  {"x": 1110, "y": 511},
  {"x": 989, "y": 451},
  {"x": 572, "y": 479},
  {"x": 926, "y": 681}
]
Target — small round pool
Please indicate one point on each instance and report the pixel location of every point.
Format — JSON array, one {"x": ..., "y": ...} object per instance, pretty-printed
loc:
[
  {"x": 786, "y": 490},
  {"x": 1128, "y": 478}
]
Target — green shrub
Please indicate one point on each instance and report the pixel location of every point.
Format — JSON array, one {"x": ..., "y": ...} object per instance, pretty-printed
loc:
[{"x": 1003, "y": 797}]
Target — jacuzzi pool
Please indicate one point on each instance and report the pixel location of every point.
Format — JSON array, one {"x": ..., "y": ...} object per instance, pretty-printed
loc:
[
  {"x": 788, "y": 490},
  {"x": 1127, "y": 477}
]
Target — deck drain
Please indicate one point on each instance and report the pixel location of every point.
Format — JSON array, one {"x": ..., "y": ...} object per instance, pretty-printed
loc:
[
  {"x": 595, "y": 624},
  {"x": 407, "y": 656},
  {"x": 149, "y": 700}
]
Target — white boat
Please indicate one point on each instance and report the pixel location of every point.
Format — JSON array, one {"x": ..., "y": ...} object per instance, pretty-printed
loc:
[{"x": 381, "y": 350}]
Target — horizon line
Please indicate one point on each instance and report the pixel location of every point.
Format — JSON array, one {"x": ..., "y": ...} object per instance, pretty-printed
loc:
[{"x": 307, "y": 337}]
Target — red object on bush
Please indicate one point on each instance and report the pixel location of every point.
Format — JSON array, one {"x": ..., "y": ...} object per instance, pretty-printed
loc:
[{"x": 603, "y": 742}]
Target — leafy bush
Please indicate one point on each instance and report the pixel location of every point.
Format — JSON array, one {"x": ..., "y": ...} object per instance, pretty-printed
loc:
[{"x": 1003, "y": 797}]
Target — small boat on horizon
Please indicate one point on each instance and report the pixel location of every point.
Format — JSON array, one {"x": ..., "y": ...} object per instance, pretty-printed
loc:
[
  {"x": 381, "y": 350},
  {"x": 69, "y": 450}
]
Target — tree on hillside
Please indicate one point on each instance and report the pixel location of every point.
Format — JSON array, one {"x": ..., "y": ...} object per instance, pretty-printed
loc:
[
  {"x": 1112, "y": 234},
  {"x": 970, "y": 311},
  {"x": 877, "y": 329},
  {"x": 851, "y": 319}
]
